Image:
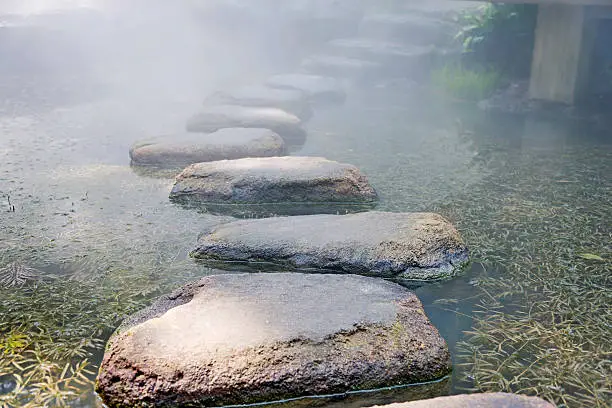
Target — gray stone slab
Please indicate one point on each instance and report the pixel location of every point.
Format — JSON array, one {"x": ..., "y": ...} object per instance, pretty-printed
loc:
[
  {"x": 183, "y": 150},
  {"x": 320, "y": 89},
  {"x": 299, "y": 184},
  {"x": 379, "y": 50},
  {"x": 247, "y": 338},
  {"x": 412, "y": 246},
  {"x": 213, "y": 118},
  {"x": 489, "y": 400},
  {"x": 339, "y": 66},
  {"x": 289, "y": 100}
]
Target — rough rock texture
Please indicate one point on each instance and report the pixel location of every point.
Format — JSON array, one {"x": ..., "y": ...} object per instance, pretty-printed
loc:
[
  {"x": 395, "y": 58},
  {"x": 245, "y": 338},
  {"x": 379, "y": 50},
  {"x": 416, "y": 246},
  {"x": 492, "y": 400},
  {"x": 289, "y": 100},
  {"x": 284, "y": 180},
  {"x": 213, "y": 118},
  {"x": 338, "y": 66},
  {"x": 231, "y": 143},
  {"x": 319, "y": 89}
]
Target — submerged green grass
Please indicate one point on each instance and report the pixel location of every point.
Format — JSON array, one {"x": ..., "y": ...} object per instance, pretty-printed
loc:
[
  {"x": 101, "y": 243},
  {"x": 462, "y": 83},
  {"x": 543, "y": 324}
]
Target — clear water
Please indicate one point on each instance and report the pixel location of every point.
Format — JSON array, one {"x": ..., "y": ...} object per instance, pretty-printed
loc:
[{"x": 107, "y": 240}]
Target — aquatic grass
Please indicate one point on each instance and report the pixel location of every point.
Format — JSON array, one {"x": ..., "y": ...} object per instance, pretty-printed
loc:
[
  {"x": 542, "y": 326},
  {"x": 461, "y": 83}
]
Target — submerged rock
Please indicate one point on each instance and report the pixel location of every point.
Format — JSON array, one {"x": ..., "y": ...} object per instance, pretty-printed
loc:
[
  {"x": 289, "y": 100},
  {"x": 319, "y": 89},
  {"x": 490, "y": 400},
  {"x": 213, "y": 118},
  {"x": 248, "y": 338},
  {"x": 231, "y": 143},
  {"x": 313, "y": 183},
  {"x": 412, "y": 246}
]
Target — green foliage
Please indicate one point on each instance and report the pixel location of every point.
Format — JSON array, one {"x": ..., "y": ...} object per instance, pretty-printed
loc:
[
  {"x": 499, "y": 35},
  {"x": 466, "y": 84}
]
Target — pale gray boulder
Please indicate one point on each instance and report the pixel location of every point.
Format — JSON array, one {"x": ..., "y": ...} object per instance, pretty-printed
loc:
[
  {"x": 487, "y": 400},
  {"x": 319, "y": 89},
  {"x": 249, "y": 338},
  {"x": 213, "y": 118},
  {"x": 289, "y": 100},
  {"x": 286, "y": 185},
  {"x": 181, "y": 151},
  {"x": 407, "y": 246}
]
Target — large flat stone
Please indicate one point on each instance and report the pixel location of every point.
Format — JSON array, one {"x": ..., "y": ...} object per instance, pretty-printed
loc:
[
  {"x": 395, "y": 58},
  {"x": 490, "y": 400},
  {"x": 380, "y": 50},
  {"x": 247, "y": 338},
  {"x": 319, "y": 89},
  {"x": 231, "y": 143},
  {"x": 213, "y": 118},
  {"x": 413, "y": 246},
  {"x": 289, "y": 100},
  {"x": 339, "y": 66},
  {"x": 303, "y": 184}
]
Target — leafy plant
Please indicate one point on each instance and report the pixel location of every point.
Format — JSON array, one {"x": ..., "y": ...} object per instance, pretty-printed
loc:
[{"x": 499, "y": 35}]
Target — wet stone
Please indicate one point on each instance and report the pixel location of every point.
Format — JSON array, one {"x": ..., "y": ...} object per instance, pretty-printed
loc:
[
  {"x": 213, "y": 118},
  {"x": 248, "y": 338},
  {"x": 319, "y": 89},
  {"x": 181, "y": 151},
  {"x": 406, "y": 246},
  {"x": 489, "y": 400},
  {"x": 338, "y": 66},
  {"x": 285, "y": 185},
  {"x": 289, "y": 100}
]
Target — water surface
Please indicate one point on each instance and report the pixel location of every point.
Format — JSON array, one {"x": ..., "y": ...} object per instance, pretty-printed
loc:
[{"x": 527, "y": 193}]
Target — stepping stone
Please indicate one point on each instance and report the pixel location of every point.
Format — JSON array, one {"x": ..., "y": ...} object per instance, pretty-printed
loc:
[
  {"x": 319, "y": 89},
  {"x": 489, "y": 400},
  {"x": 393, "y": 56},
  {"x": 248, "y": 338},
  {"x": 338, "y": 66},
  {"x": 288, "y": 185},
  {"x": 213, "y": 118},
  {"x": 411, "y": 28},
  {"x": 230, "y": 143},
  {"x": 410, "y": 246},
  {"x": 289, "y": 100}
]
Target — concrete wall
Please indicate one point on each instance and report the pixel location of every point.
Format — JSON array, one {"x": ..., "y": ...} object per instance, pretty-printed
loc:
[{"x": 562, "y": 53}]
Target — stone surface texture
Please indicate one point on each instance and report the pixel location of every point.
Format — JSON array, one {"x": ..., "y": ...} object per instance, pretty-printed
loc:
[
  {"x": 246, "y": 338},
  {"x": 289, "y": 100},
  {"x": 213, "y": 118},
  {"x": 490, "y": 400},
  {"x": 273, "y": 180},
  {"x": 339, "y": 66},
  {"x": 320, "y": 89},
  {"x": 230, "y": 143},
  {"x": 414, "y": 246}
]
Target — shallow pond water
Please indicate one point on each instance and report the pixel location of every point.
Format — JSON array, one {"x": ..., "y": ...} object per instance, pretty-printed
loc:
[{"x": 532, "y": 197}]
